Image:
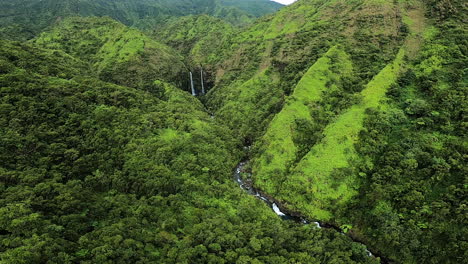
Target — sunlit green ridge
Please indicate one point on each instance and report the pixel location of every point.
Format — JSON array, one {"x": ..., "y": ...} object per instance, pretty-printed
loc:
[{"x": 342, "y": 122}]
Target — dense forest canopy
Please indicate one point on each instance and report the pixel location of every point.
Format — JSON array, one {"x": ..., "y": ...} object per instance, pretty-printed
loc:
[
  {"x": 349, "y": 113},
  {"x": 24, "y": 19}
]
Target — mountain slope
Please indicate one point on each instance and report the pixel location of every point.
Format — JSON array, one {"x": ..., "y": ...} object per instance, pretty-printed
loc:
[
  {"x": 197, "y": 38},
  {"x": 292, "y": 130},
  {"x": 352, "y": 113},
  {"x": 256, "y": 8},
  {"x": 25, "y": 18},
  {"x": 318, "y": 171},
  {"x": 411, "y": 152},
  {"x": 93, "y": 172},
  {"x": 329, "y": 156},
  {"x": 285, "y": 45},
  {"x": 117, "y": 53}
]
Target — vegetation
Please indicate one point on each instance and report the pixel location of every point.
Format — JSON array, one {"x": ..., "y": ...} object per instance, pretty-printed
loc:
[
  {"x": 24, "y": 19},
  {"x": 295, "y": 129},
  {"x": 355, "y": 111},
  {"x": 286, "y": 45},
  {"x": 114, "y": 174},
  {"x": 319, "y": 174},
  {"x": 310, "y": 156},
  {"x": 118, "y": 54},
  {"x": 200, "y": 39},
  {"x": 412, "y": 200}
]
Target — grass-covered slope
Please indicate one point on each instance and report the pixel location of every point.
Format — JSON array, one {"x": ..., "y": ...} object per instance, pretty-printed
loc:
[
  {"x": 93, "y": 172},
  {"x": 290, "y": 133},
  {"x": 320, "y": 175},
  {"x": 118, "y": 54},
  {"x": 388, "y": 166},
  {"x": 305, "y": 161},
  {"x": 304, "y": 157},
  {"x": 289, "y": 42}
]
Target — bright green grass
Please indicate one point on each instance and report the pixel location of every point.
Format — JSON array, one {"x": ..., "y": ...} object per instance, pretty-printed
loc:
[
  {"x": 103, "y": 41},
  {"x": 312, "y": 174},
  {"x": 280, "y": 149},
  {"x": 321, "y": 190},
  {"x": 168, "y": 135},
  {"x": 126, "y": 44}
]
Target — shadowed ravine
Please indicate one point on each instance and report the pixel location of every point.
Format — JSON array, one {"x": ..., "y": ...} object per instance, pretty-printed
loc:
[{"x": 246, "y": 185}]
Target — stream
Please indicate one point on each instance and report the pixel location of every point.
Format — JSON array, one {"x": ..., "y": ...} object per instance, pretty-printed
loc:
[{"x": 246, "y": 185}]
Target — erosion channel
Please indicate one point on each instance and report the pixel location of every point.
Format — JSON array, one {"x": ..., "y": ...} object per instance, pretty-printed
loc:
[{"x": 242, "y": 177}]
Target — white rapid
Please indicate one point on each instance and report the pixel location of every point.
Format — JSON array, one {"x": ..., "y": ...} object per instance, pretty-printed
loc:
[{"x": 277, "y": 210}]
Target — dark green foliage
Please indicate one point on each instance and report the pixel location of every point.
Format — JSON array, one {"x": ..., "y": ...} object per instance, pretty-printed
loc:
[
  {"x": 413, "y": 198},
  {"x": 104, "y": 160},
  {"x": 447, "y": 9},
  {"x": 305, "y": 135},
  {"x": 92, "y": 172},
  {"x": 118, "y": 54},
  {"x": 46, "y": 62},
  {"x": 24, "y": 19}
]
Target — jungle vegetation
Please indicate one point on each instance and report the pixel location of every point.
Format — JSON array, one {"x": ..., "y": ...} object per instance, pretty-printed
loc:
[{"x": 352, "y": 113}]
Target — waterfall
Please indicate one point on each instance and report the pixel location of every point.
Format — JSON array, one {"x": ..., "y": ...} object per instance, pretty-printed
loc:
[
  {"x": 202, "y": 84},
  {"x": 191, "y": 85}
]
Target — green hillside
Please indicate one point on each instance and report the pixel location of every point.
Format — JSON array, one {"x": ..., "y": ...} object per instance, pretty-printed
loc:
[
  {"x": 309, "y": 156},
  {"x": 349, "y": 113},
  {"x": 117, "y": 53},
  {"x": 291, "y": 133},
  {"x": 319, "y": 171},
  {"x": 256, "y": 8},
  {"x": 23, "y": 19},
  {"x": 412, "y": 153},
  {"x": 200, "y": 39},
  {"x": 93, "y": 172},
  {"x": 285, "y": 45}
]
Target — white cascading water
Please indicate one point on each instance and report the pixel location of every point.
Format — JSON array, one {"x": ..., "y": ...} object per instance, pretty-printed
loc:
[
  {"x": 202, "y": 84},
  {"x": 191, "y": 85}
]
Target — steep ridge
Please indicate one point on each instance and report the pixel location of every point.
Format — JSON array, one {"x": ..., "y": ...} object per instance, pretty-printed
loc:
[
  {"x": 291, "y": 131},
  {"x": 118, "y": 54},
  {"x": 282, "y": 47},
  {"x": 93, "y": 172},
  {"x": 24, "y": 19},
  {"x": 318, "y": 173}
]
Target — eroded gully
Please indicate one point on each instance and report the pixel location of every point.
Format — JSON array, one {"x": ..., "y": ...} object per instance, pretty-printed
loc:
[{"x": 244, "y": 179}]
